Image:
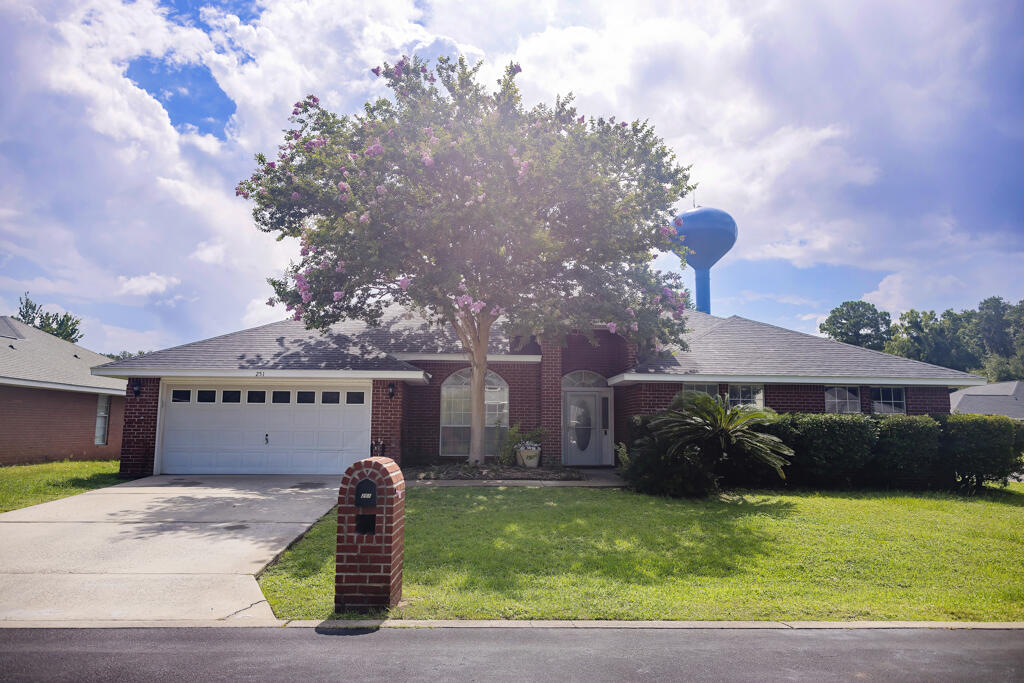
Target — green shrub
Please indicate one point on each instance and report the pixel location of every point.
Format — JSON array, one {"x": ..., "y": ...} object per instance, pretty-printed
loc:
[
  {"x": 907, "y": 454},
  {"x": 753, "y": 474},
  {"x": 980, "y": 448},
  {"x": 1018, "y": 442},
  {"x": 686, "y": 446},
  {"x": 507, "y": 450},
  {"x": 832, "y": 451}
]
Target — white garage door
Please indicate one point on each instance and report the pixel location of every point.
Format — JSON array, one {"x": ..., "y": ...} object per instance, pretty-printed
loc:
[{"x": 264, "y": 429}]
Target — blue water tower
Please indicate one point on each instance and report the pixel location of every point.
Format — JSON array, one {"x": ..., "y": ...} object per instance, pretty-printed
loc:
[{"x": 709, "y": 233}]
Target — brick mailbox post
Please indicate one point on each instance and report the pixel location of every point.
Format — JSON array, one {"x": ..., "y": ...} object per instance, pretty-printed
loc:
[{"x": 371, "y": 533}]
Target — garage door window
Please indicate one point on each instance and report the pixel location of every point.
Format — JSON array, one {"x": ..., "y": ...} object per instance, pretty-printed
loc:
[
  {"x": 354, "y": 398},
  {"x": 181, "y": 396},
  {"x": 256, "y": 397},
  {"x": 281, "y": 397},
  {"x": 231, "y": 396},
  {"x": 330, "y": 397},
  {"x": 305, "y": 397},
  {"x": 206, "y": 396}
]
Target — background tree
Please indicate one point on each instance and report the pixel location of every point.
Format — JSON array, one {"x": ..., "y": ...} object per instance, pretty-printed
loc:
[
  {"x": 125, "y": 354},
  {"x": 858, "y": 323},
  {"x": 63, "y": 325},
  {"x": 942, "y": 340},
  {"x": 473, "y": 210}
]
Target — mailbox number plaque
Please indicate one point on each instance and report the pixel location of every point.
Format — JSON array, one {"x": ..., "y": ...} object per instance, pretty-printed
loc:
[{"x": 366, "y": 493}]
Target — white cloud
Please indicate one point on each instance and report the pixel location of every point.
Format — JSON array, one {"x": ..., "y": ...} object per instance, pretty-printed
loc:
[
  {"x": 142, "y": 285},
  {"x": 790, "y": 299},
  {"x": 257, "y": 312},
  {"x": 208, "y": 253}
]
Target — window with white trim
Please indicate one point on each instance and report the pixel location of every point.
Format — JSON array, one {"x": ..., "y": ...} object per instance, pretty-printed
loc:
[
  {"x": 709, "y": 389},
  {"x": 102, "y": 420},
  {"x": 887, "y": 400},
  {"x": 456, "y": 409},
  {"x": 746, "y": 394},
  {"x": 583, "y": 378},
  {"x": 842, "y": 399}
]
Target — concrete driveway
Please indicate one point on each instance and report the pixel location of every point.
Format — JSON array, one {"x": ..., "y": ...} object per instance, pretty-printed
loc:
[{"x": 170, "y": 547}]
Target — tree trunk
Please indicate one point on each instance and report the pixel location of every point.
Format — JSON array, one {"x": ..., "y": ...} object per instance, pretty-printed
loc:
[{"x": 477, "y": 422}]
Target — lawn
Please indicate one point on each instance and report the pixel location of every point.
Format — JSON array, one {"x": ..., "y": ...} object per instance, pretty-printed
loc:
[
  {"x": 24, "y": 485},
  {"x": 572, "y": 553}
]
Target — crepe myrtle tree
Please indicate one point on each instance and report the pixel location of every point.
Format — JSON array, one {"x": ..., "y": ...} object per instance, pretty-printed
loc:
[{"x": 463, "y": 205}]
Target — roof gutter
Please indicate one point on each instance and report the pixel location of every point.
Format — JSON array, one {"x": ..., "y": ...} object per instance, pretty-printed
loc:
[
  {"x": 627, "y": 378},
  {"x": 81, "y": 388},
  {"x": 410, "y": 376}
]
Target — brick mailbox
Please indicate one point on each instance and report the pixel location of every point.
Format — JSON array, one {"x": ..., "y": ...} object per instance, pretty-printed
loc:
[{"x": 371, "y": 533}]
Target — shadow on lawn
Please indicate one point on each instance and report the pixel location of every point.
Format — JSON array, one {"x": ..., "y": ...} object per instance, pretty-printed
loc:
[
  {"x": 990, "y": 494},
  {"x": 501, "y": 543},
  {"x": 93, "y": 481}
]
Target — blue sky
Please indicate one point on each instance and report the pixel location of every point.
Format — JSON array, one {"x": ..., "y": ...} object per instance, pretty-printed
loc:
[{"x": 867, "y": 150}]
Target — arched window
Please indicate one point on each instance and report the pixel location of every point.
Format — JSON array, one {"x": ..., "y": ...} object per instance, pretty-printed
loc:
[
  {"x": 583, "y": 378},
  {"x": 456, "y": 408}
]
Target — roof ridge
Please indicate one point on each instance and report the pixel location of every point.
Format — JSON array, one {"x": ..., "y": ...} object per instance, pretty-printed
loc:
[
  {"x": 198, "y": 341},
  {"x": 854, "y": 346}
]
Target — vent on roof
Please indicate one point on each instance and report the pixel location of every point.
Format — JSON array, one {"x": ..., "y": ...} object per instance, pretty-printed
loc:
[{"x": 75, "y": 355}]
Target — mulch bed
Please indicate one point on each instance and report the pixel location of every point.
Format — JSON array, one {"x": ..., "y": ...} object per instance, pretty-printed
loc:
[{"x": 489, "y": 471}]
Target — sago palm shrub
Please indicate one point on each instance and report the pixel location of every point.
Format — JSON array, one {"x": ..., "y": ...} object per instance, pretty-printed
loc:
[{"x": 682, "y": 450}]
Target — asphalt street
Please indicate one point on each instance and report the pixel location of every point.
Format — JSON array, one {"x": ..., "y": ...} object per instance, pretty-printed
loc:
[{"x": 485, "y": 654}]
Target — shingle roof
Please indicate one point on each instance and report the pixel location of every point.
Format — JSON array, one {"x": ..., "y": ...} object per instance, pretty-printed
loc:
[
  {"x": 29, "y": 356},
  {"x": 1000, "y": 398},
  {"x": 285, "y": 345},
  {"x": 742, "y": 347}
]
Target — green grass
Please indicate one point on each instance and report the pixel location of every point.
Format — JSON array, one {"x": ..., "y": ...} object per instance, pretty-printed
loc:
[
  {"x": 480, "y": 553},
  {"x": 24, "y": 485}
]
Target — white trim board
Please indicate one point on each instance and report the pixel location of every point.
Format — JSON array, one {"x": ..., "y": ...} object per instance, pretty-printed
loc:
[
  {"x": 36, "y": 384},
  {"x": 627, "y": 378},
  {"x": 411, "y": 376}
]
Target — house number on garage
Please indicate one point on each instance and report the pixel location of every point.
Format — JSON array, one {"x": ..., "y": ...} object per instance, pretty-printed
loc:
[{"x": 260, "y": 373}]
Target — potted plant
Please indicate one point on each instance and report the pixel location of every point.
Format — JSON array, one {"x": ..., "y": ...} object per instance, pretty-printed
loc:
[{"x": 528, "y": 453}]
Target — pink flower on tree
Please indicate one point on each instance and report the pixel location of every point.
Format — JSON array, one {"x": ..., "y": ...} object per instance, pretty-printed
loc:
[
  {"x": 634, "y": 326},
  {"x": 295, "y": 195},
  {"x": 581, "y": 119},
  {"x": 340, "y": 268},
  {"x": 365, "y": 218},
  {"x": 380, "y": 190},
  {"x": 678, "y": 222},
  {"x": 428, "y": 161},
  {"x": 612, "y": 327},
  {"x": 477, "y": 306},
  {"x": 376, "y": 71},
  {"x": 404, "y": 283},
  {"x": 338, "y": 296}
]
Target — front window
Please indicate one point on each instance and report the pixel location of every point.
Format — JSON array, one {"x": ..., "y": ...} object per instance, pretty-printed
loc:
[
  {"x": 583, "y": 378},
  {"x": 888, "y": 400},
  {"x": 102, "y": 420},
  {"x": 709, "y": 389},
  {"x": 456, "y": 409},
  {"x": 746, "y": 395},
  {"x": 842, "y": 399}
]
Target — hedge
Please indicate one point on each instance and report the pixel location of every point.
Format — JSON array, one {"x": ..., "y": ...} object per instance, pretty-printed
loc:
[
  {"x": 979, "y": 448},
  {"x": 890, "y": 451},
  {"x": 907, "y": 455}
]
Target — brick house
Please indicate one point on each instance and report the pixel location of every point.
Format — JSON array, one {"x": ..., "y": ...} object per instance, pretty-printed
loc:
[
  {"x": 283, "y": 399},
  {"x": 51, "y": 406}
]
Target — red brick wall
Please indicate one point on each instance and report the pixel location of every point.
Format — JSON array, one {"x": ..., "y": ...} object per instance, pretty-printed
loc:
[
  {"x": 421, "y": 432},
  {"x": 795, "y": 398},
  {"x": 551, "y": 401},
  {"x": 138, "y": 444},
  {"x": 386, "y": 417},
  {"x": 43, "y": 425},
  {"x": 641, "y": 399},
  {"x": 368, "y": 566},
  {"x": 927, "y": 400},
  {"x": 611, "y": 356}
]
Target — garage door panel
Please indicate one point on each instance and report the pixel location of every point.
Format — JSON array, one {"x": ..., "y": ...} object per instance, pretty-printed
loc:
[{"x": 264, "y": 438}]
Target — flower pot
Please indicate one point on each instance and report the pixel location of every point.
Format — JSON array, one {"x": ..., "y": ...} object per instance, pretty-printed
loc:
[{"x": 528, "y": 457}]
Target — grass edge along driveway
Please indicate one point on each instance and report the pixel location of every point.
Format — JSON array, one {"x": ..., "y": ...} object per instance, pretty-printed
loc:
[
  {"x": 574, "y": 553},
  {"x": 25, "y": 485}
]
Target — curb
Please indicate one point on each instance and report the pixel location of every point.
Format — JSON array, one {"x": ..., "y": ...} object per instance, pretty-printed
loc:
[{"x": 375, "y": 624}]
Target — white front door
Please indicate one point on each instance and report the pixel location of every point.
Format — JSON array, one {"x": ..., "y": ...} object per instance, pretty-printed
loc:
[
  {"x": 266, "y": 429},
  {"x": 586, "y": 426}
]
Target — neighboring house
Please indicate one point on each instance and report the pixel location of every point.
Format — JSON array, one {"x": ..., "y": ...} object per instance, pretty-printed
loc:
[
  {"x": 1000, "y": 398},
  {"x": 51, "y": 406},
  {"x": 280, "y": 398}
]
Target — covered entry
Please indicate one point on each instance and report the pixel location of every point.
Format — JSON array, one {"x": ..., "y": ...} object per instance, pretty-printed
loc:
[{"x": 586, "y": 419}]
